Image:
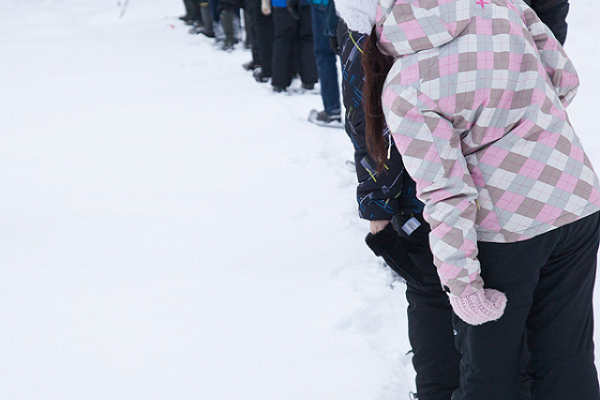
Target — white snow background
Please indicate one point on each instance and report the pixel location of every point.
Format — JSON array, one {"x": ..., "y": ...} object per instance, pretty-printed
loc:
[{"x": 170, "y": 229}]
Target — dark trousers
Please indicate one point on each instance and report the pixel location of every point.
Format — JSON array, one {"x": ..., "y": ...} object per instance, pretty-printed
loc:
[
  {"x": 549, "y": 283},
  {"x": 214, "y": 10},
  {"x": 430, "y": 331},
  {"x": 251, "y": 11},
  {"x": 288, "y": 34},
  {"x": 326, "y": 62},
  {"x": 264, "y": 41}
]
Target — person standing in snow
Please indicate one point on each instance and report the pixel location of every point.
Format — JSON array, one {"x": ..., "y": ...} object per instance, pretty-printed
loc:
[
  {"x": 293, "y": 41},
  {"x": 229, "y": 11},
  {"x": 389, "y": 195},
  {"x": 511, "y": 197},
  {"x": 331, "y": 115},
  {"x": 263, "y": 41}
]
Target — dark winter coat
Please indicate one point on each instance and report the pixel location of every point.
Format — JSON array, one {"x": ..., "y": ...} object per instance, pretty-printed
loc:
[
  {"x": 380, "y": 195},
  {"x": 553, "y": 13}
]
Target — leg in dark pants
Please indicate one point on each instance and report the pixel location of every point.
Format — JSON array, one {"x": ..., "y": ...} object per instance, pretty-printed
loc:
[
  {"x": 307, "y": 64},
  {"x": 549, "y": 282},
  {"x": 435, "y": 357},
  {"x": 264, "y": 42},
  {"x": 285, "y": 31},
  {"x": 214, "y": 9},
  {"x": 251, "y": 11},
  {"x": 326, "y": 62}
]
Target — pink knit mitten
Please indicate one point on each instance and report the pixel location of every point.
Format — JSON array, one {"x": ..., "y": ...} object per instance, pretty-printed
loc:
[{"x": 479, "y": 308}]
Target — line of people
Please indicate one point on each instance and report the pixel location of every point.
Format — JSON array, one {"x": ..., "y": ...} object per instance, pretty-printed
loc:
[{"x": 288, "y": 38}]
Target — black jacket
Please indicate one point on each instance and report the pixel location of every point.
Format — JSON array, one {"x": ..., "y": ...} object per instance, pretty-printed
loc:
[
  {"x": 554, "y": 14},
  {"x": 380, "y": 195}
]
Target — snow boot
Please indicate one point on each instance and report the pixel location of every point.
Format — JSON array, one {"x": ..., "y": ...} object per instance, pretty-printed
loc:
[
  {"x": 189, "y": 11},
  {"x": 196, "y": 15},
  {"x": 207, "y": 21},
  {"x": 228, "y": 29}
]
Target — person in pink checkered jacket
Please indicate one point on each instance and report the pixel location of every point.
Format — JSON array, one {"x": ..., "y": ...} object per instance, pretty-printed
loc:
[{"x": 475, "y": 100}]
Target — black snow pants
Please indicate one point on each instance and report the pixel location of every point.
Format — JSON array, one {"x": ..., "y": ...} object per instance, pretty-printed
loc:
[
  {"x": 549, "y": 282},
  {"x": 430, "y": 331},
  {"x": 291, "y": 34},
  {"x": 264, "y": 41}
]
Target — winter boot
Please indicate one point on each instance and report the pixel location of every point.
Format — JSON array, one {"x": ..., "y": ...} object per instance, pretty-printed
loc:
[
  {"x": 207, "y": 21},
  {"x": 189, "y": 11},
  {"x": 196, "y": 14},
  {"x": 228, "y": 29}
]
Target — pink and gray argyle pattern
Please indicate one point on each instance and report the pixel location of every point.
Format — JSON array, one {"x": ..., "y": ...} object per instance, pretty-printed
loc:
[{"x": 476, "y": 104}]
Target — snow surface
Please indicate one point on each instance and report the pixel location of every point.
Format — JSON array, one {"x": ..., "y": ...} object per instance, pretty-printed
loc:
[{"x": 171, "y": 229}]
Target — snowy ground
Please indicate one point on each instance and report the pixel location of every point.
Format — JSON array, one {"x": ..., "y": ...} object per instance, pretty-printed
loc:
[{"x": 171, "y": 229}]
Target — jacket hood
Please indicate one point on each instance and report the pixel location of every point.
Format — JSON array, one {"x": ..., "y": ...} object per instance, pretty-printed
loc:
[{"x": 409, "y": 26}]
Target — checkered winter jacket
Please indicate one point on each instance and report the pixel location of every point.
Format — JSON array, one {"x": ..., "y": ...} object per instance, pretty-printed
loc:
[{"x": 476, "y": 103}]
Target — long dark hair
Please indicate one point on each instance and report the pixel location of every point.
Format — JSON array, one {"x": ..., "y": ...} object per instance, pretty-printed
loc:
[{"x": 376, "y": 66}]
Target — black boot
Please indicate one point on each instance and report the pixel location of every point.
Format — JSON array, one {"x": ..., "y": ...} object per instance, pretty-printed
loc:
[
  {"x": 196, "y": 16},
  {"x": 189, "y": 11},
  {"x": 228, "y": 29},
  {"x": 207, "y": 21}
]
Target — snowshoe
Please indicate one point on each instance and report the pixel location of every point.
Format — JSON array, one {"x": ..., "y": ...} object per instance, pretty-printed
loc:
[{"x": 321, "y": 118}]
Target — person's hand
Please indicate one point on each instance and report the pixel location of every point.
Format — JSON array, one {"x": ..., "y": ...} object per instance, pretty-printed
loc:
[
  {"x": 293, "y": 7},
  {"x": 481, "y": 307},
  {"x": 265, "y": 7},
  {"x": 378, "y": 225}
]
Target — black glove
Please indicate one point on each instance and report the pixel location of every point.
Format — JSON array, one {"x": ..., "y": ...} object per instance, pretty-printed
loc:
[
  {"x": 293, "y": 7},
  {"x": 387, "y": 244},
  {"x": 334, "y": 44}
]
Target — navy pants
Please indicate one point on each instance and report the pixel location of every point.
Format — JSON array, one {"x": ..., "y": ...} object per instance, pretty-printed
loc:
[
  {"x": 326, "y": 62},
  {"x": 549, "y": 282}
]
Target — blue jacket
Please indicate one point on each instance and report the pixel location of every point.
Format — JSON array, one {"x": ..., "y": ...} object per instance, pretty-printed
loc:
[{"x": 283, "y": 3}]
